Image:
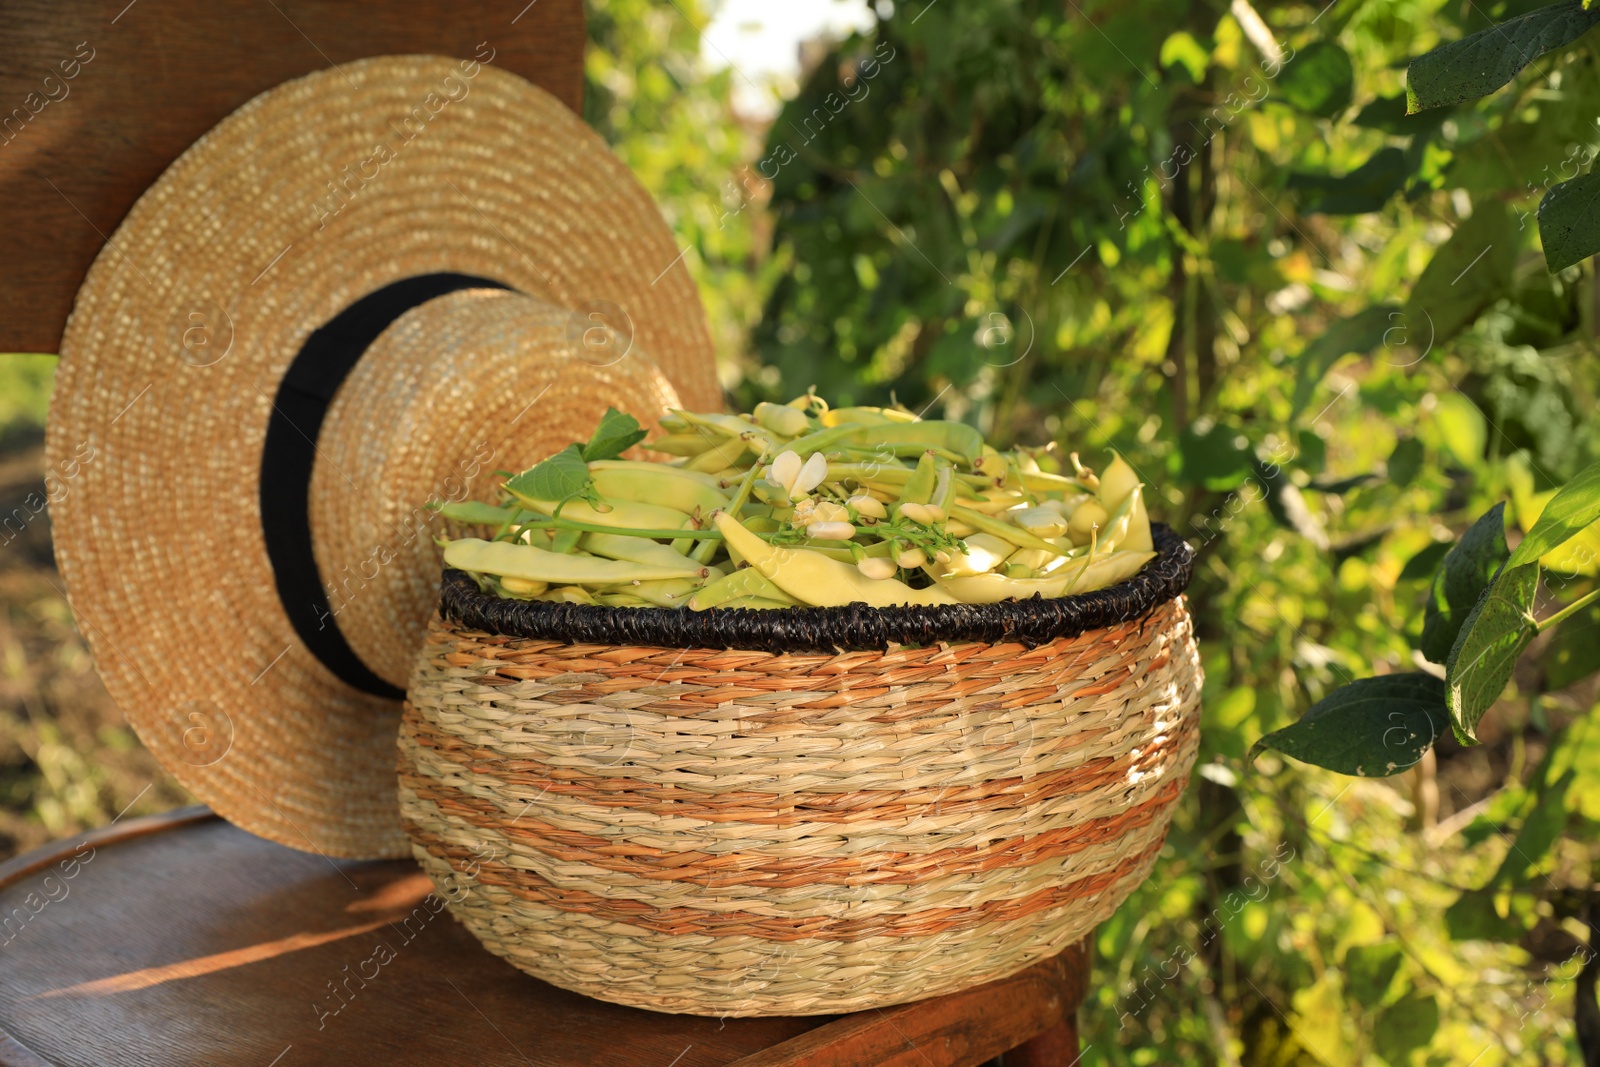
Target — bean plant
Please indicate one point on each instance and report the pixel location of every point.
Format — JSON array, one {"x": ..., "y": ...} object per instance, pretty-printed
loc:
[{"x": 1341, "y": 317}]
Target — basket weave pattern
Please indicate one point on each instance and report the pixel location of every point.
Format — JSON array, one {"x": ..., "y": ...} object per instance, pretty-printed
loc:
[{"x": 731, "y": 832}]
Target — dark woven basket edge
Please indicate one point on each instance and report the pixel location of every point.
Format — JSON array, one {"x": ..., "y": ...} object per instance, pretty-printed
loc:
[{"x": 853, "y": 627}]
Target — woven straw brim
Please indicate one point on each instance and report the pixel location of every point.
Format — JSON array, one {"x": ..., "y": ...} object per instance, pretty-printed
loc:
[
  {"x": 729, "y": 832},
  {"x": 175, "y": 351}
]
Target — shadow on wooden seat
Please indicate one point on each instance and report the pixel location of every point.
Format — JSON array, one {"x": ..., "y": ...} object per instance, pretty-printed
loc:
[{"x": 179, "y": 939}]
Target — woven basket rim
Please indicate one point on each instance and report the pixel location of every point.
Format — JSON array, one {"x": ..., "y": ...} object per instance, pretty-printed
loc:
[{"x": 853, "y": 627}]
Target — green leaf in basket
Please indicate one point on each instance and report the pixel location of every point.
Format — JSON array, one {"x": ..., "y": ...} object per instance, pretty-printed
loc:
[
  {"x": 561, "y": 477},
  {"x": 1492, "y": 638},
  {"x": 1373, "y": 727},
  {"x": 616, "y": 434},
  {"x": 1467, "y": 570}
]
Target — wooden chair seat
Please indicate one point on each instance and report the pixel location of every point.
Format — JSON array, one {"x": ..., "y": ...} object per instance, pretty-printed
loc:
[{"x": 178, "y": 939}]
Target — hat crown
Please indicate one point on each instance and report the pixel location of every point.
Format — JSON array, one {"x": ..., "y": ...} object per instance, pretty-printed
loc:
[{"x": 462, "y": 386}]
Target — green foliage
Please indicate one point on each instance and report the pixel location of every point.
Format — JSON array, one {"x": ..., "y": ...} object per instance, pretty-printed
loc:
[
  {"x": 1359, "y": 333},
  {"x": 1321, "y": 329},
  {"x": 1466, "y": 571},
  {"x": 561, "y": 477},
  {"x": 669, "y": 119},
  {"x": 1574, "y": 507},
  {"x": 1492, "y": 639},
  {"x": 1574, "y": 652},
  {"x": 1404, "y": 1026},
  {"x": 616, "y": 433},
  {"x": 25, "y": 381},
  {"x": 1319, "y": 81},
  {"x": 1374, "y": 727},
  {"x": 1366, "y": 188},
  {"x": 1468, "y": 272},
  {"x": 1569, "y": 221},
  {"x": 1487, "y": 60}
]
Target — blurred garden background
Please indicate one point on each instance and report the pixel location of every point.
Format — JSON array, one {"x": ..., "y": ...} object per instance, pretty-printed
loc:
[{"x": 1206, "y": 234}]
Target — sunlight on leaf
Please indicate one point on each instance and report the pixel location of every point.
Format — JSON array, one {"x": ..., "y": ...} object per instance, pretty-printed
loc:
[
  {"x": 1492, "y": 638},
  {"x": 1575, "y": 506}
]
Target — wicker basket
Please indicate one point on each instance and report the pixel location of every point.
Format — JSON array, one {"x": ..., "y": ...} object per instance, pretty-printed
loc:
[{"x": 720, "y": 813}]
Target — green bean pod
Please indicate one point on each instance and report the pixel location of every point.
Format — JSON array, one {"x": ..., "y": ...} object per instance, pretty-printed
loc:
[
  {"x": 960, "y": 441},
  {"x": 535, "y": 564},
  {"x": 744, "y": 582},
  {"x": 622, "y": 514}
]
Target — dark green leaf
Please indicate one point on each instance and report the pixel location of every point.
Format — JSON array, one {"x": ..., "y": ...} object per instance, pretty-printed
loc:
[
  {"x": 1215, "y": 455},
  {"x": 561, "y": 477},
  {"x": 1359, "y": 333},
  {"x": 1367, "y": 188},
  {"x": 616, "y": 434},
  {"x": 1287, "y": 504},
  {"x": 1405, "y": 462},
  {"x": 1575, "y": 506},
  {"x": 1461, "y": 580},
  {"x": 1388, "y": 113},
  {"x": 1313, "y": 457},
  {"x": 1407, "y": 1024},
  {"x": 1467, "y": 273},
  {"x": 1491, "y": 640},
  {"x": 1569, "y": 221},
  {"x": 1372, "y": 727},
  {"x": 1473, "y": 917},
  {"x": 1318, "y": 80},
  {"x": 1574, "y": 651},
  {"x": 1478, "y": 65},
  {"x": 1370, "y": 970},
  {"x": 1426, "y": 562},
  {"x": 1340, "y": 486}
]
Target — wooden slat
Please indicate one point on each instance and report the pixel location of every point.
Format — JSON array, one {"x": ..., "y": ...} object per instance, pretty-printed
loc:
[
  {"x": 14, "y": 1054},
  {"x": 179, "y": 939},
  {"x": 953, "y": 1031},
  {"x": 98, "y": 96}
]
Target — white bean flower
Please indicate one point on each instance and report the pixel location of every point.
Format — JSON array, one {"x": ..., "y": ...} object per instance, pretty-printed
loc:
[{"x": 796, "y": 479}]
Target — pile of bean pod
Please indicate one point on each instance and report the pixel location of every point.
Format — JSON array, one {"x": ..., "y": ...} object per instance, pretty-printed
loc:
[{"x": 800, "y": 504}]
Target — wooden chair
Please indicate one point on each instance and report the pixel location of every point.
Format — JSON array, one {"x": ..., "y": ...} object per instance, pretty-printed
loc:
[{"x": 178, "y": 939}]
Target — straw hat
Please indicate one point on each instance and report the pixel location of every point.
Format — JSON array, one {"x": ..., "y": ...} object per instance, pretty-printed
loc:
[{"x": 365, "y": 290}]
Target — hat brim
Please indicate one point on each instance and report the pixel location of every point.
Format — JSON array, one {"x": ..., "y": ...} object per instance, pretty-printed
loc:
[{"x": 312, "y": 195}]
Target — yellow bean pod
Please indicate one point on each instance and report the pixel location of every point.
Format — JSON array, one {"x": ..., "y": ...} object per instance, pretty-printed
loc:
[
  {"x": 1097, "y": 574},
  {"x": 814, "y": 579}
]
